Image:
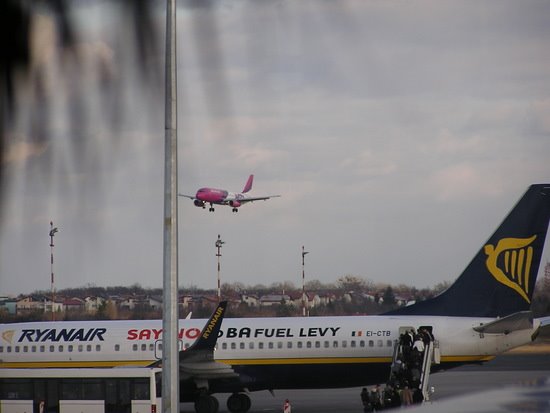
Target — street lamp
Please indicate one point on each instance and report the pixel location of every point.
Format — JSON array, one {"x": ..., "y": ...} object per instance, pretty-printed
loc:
[
  {"x": 219, "y": 244},
  {"x": 304, "y": 281},
  {"x": 52, "y": 233}
]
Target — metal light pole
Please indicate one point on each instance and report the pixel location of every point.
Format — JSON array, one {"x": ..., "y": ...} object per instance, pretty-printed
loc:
[
  {"x": 170, "y": 365},
  {"x": 304, "y": 281},
  {"x": 219, "y": 244},
  {"x": 52, "y": 233}
]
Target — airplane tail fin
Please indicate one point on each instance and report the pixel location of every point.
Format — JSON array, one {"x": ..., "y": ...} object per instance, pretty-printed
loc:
[
  {"x": 500, "y": 280},
  {"x": 209, "y": 334},
  {"x": 248, "y": 185}
]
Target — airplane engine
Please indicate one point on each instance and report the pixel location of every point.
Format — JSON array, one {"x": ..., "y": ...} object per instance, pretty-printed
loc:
[
  {"x": 199, "y": 203},
  {"x": 235, "y": 204}
]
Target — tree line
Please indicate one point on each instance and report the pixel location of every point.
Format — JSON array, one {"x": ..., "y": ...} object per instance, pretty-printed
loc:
[{"x": 350, "y": 295}]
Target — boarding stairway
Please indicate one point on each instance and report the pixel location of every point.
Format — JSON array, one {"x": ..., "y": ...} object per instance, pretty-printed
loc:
[{"x": 431, "y": 355}]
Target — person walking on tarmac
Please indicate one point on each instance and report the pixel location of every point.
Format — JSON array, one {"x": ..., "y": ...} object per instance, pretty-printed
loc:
[
  {"x": 365, "y": 399},
  {"x": 376, "y": 398},
  {"x": 287, "y": 408}
]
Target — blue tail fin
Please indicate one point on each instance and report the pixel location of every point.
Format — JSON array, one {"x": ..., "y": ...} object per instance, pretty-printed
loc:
[{"x": 501, "y": 278}]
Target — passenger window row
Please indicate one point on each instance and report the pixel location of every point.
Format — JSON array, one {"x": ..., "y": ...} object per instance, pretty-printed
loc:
[
  {"x": 308, "y": 344},
  {"x": 80, "y": 348},
  {"x": 233, "y": 346}
]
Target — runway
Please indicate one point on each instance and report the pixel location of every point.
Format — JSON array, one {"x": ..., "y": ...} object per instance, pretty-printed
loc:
[{"x": 502, "y": 371}]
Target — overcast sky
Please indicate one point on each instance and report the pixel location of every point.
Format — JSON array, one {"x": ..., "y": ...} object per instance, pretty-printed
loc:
[{"x": 399, "y": 134}]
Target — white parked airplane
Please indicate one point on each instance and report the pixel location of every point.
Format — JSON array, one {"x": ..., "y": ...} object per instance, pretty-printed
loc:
[{"x": 484, "y": 313}]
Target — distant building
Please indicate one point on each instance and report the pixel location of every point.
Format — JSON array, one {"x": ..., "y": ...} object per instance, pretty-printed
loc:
[
  {"x": 73, "y": 304},
  {"x": 272, "y": 299},
  {"x": 250, "y": 300},
  {"x": 30, "y": 304},
  {"x": 8, "y": 305},
  {"x": 92, "y": 304}
]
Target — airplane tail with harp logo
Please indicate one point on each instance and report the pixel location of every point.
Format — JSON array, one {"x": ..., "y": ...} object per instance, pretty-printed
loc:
[{"x": 501, "y": 278}]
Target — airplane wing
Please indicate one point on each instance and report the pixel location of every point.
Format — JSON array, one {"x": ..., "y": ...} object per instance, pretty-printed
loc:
[
  {"x": 257, "y": 198},
  {"x": 187, "y": 196},
  {"x": 517, "y": 321},
  {"x": 197, "y": 362}
]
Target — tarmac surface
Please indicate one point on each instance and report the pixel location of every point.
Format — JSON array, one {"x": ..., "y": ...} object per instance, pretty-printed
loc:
[{"x": 502, "y": 371}]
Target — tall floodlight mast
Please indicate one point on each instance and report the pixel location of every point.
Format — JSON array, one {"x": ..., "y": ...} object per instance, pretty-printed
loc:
[
  {"x": 219, "y": 244},
  {"x": 52, "y": 233},
  {"x": 170, "y": 366},
  {"x": 304, "y": 281}
]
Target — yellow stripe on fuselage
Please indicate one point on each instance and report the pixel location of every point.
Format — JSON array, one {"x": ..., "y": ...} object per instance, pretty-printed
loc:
[
  {"x": 320, "y": 360},
  {"x": 74, "y": 364},
  {"x": 237, "y": 362},
  {"x": 465, "y": 359}
]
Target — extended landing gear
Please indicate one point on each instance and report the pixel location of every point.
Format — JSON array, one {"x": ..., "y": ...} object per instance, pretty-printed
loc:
[
  {"x": 211, "y": 209},
  {"x": 235, "y": 210},
  {"x": 238, "y": 403},
  {"x": 207, "y": 404}
]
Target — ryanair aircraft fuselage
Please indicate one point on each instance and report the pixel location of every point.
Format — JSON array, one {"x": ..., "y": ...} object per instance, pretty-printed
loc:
[{"x": 275, "y": 352}]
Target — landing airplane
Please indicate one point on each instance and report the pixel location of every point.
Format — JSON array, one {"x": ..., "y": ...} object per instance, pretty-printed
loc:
[
  {"x": 483, "y": 313},
  {"x": 222, "y": 197}
]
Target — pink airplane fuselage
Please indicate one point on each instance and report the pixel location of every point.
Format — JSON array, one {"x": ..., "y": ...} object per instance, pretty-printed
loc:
[{"x": 212, "y": 195}]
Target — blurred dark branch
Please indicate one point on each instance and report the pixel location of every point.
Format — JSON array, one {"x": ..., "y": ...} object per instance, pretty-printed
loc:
[{"x": 17, "y": 71}]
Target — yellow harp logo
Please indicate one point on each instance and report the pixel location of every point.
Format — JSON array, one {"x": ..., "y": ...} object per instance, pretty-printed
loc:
[
  {"x": 510, "y": 263},
  {"x": 8, "y": 335}
]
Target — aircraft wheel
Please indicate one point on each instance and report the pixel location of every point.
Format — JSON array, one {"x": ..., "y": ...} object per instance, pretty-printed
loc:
[
  {"x": 235, "y": 210},
  {"x": 207, "y": 404},
  {"x": 238, "y": 403}
]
